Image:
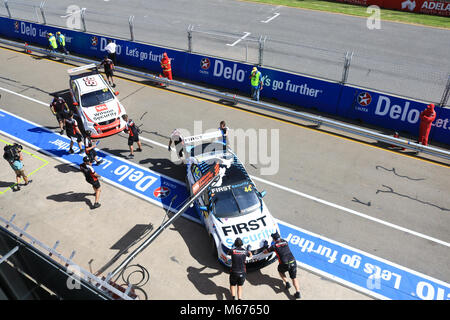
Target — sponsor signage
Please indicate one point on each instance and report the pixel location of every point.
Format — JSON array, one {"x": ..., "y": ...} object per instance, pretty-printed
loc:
[
  {"x": 392, "y": 112},
  {"x": 365, "y": 272},
  {"x": 432, "y": 7},
  {"x": 386, "y": 111}
]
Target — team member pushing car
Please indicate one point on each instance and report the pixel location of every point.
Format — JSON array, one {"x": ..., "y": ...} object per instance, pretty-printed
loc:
[
  {"x": 238, "y": 271},
  {"x": 89, "y": 148},
  {"x": 287, "y": 262}
]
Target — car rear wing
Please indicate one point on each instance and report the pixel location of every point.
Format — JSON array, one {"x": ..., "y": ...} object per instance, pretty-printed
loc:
[
  {"x": 82, "y": 68},
  {"x": 203, "y": 137}
]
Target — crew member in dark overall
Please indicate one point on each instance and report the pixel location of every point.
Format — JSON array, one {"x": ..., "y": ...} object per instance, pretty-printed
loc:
[
  {"x": 73, "y": 132},
  {"x": 89, "y": 148},
  {"x": 133, "y": 135},
  {"x": 238, "y": 270},
  {"x": 287, "y": 262},
  {"x": 60, "y": 110},
  {"x": 92, "y": 178}
]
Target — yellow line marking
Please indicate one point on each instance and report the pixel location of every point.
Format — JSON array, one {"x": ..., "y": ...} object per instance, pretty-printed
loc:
[
  {"x": 29, "y": 175},
  {"x": 367, "y": 144}
]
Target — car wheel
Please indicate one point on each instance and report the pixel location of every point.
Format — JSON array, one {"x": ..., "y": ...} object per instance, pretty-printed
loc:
[{"x": 213, "y": 247}]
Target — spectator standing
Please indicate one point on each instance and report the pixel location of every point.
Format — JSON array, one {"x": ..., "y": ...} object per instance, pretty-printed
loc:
[
  {"x": 13, "y": 154},
  {"x": 256, "y": 83},
  {"x": 61, "y": 40},
  {"x": 238, "y": 270},
  {"x": 108, "y": 66},
  {"x": 286, "y": 260},
  {"x": 92, "y": 178},
  {"x": 133, "y": 135},
  {"x": 427, "y": 117},
  {"x": 111, "y": 49}
]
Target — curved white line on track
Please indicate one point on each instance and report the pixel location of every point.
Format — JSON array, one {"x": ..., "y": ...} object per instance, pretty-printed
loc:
[{"x": 298, "y": 193}]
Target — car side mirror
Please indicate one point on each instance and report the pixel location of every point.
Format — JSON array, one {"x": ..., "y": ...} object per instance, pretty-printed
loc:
[
  {"x": 75, "y": 104},
  {"x": 203, "y": 208},
  {"x": 262, "y": 194},
  {"x": 116, "y": 93}
]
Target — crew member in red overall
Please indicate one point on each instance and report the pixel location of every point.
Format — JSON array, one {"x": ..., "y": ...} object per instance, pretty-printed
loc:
[
  {"x": 426, "y": 119},
  {"x": 166, "y": 67}
]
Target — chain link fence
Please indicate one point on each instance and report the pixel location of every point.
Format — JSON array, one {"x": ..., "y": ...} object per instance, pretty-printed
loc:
[{"x": 390, "y": 74}]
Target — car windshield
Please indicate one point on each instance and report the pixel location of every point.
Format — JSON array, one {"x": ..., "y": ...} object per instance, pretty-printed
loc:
[
  {"x": 206, "y": 148},
  {"x": 95, "y": 98},
  {"x": 235, "y": 201}
]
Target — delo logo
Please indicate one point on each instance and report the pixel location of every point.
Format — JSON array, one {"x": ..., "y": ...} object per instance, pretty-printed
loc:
[
  {"x": 244, "y": 226},
  {"x": 395, "y": 112},
  {"x": 229, "y": 73}
]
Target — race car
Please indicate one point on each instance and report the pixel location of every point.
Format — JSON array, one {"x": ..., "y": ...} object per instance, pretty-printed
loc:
[
  {"x": 95, "y": 102},
  {"x": 232, "y": 207}
]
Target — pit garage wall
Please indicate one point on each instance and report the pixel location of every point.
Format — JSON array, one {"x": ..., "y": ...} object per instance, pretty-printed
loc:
[
  {"x": 376, "y": 108},
  {"x": 432, "y": 7}
]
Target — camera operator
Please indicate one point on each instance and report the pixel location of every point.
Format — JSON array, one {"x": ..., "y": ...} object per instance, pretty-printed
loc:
[{"x": 13, "y": 154}]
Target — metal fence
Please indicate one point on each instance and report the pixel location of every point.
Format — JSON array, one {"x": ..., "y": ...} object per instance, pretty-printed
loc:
[{"x": 389, "y": 74}]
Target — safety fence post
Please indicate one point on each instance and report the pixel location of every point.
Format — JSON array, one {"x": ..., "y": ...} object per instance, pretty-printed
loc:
[
  {"x": 446, "y": 94},
  {"x": 261, "y": 42},
  {"x": 348, "y": 59},
  {"x": 7, "y": 8},
  {"x": 189, "y": 31},
  {"x": 83, "y": 13},
  {"x": 131, "y": 24},
  {"x": 41, "y": 7}
]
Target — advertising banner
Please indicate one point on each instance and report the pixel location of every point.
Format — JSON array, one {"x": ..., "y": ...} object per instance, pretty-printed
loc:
[
  {"x": 332, "y": 98},
  {"x": 432, "y": 7},
  {"x": 392, "y": 112}
]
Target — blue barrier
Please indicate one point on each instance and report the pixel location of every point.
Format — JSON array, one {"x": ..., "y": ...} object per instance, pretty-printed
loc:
[{"x": 384, "y": 110}]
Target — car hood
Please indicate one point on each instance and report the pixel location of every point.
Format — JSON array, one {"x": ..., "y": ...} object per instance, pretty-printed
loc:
[
  {"x": 103, "y": 112},
  {"x": 252, "y": 228}
]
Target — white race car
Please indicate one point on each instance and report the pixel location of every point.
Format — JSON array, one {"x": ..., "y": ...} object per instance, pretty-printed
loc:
[
  {"x": 232, "y": 207},
  {"x": 96, "y": 103}
]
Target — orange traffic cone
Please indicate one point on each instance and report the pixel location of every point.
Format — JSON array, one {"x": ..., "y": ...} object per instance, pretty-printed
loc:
[
  {"x": 396, "y": 135},
  {"x": 26, "y": 48}
]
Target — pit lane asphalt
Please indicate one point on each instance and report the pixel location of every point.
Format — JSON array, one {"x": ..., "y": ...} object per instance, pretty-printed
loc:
[{"x": 342, "y": 171}]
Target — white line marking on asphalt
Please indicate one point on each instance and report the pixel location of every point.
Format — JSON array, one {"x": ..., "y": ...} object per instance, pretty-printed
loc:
[
  {"x": 239, "y": 40},
  {"x": 270, "y": 19},
  {"x": 25, "y": 97},
  {"x": 298, "y": 193}
]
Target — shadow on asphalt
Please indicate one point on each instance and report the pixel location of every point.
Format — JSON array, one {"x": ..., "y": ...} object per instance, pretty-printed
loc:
[{"x": 71, "y": 196}]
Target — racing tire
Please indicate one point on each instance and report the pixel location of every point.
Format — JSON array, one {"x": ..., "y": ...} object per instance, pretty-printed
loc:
[{"x": 213, "y": 247}]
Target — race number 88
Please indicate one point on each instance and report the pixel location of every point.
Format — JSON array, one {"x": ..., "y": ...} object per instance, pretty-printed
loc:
[{"x": 89, "y": 81}]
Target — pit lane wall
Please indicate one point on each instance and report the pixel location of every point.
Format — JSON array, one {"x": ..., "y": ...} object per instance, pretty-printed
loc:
[
  {"x": 376, "y": 108},
  {"x": 432, "y": 7}
]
